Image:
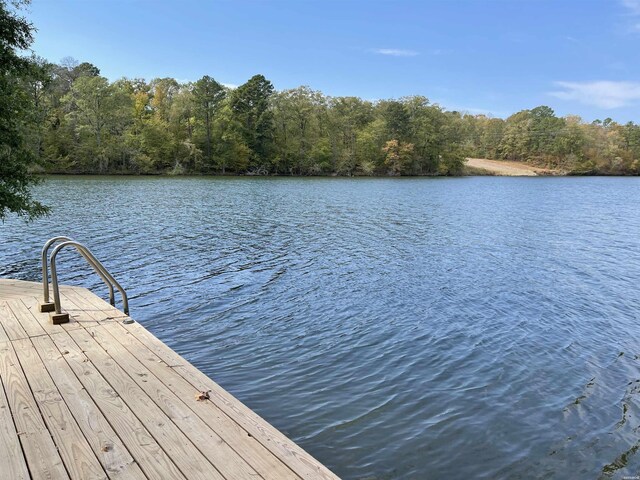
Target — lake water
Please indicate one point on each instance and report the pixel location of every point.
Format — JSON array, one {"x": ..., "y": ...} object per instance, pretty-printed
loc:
[{"x": 394, "y": 328}]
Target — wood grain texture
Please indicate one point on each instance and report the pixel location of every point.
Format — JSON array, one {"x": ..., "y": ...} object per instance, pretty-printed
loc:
[
  {"x": 291, "y": 454},
  {"x": 263, "y": 461},
  {"x": 101, "y": 307},
  {"x": 78, "y": 458},
  {"x": 153, "y": 460},
  {"x": 14, "y": 465},
  {"x": 3, "y": 334},
  {"x": 10, "y": 323},
  {"x": 76, "y": 308},
  {"x": 226, "y": 460},
  {"x": 96, "y": 398},
  {"x": 28, "y": 322},
  {"x": 105, "y": 443},
  {"x": 32, "y": 305},
  {"x": 39, "y": 450},
  {"x": 192, "y": 463}
]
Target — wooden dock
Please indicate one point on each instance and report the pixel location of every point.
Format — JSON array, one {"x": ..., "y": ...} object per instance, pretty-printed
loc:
[{"x": 98, "y": 399}]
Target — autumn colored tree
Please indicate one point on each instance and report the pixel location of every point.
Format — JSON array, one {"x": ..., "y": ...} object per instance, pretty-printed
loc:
[
  {"x": 74, "y": 120},
  {"x": 397, "y": 156}
]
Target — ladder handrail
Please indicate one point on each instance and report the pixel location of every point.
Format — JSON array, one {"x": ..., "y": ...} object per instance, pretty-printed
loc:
[
  {"x": 45, "y": 272},
  {"x": 93, "y": 262}
]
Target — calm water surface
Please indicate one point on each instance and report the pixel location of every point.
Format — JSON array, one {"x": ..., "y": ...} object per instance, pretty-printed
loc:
[{"x": 410, "y": 328}]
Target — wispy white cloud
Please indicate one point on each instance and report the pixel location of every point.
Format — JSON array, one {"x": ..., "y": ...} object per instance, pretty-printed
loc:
[
  {"x": 632, "y": 5},
  {"x": 603, "y": 94},
  {"x": 232, "y": 86},
  {"x": 633, "y": 10},
  {"x": 395, "y": 52}
]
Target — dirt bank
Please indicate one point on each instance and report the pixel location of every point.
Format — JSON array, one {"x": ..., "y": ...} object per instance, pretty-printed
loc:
[{"x": 505, "y": 168}]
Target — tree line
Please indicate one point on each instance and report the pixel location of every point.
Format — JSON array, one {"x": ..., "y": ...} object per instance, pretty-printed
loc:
[
  {"x": 85, "y": 124},
  {"x": 67, "y": 118},
  {"x": 568, "y": 144}
]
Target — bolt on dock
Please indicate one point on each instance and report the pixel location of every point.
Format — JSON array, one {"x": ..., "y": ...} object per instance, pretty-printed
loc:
[{"x": 98, "y": 398}]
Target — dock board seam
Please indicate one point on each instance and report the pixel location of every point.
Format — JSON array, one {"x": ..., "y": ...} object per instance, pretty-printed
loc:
[
  {"x": 105, "y": 414},
  {"x": 62, "y": 356},
  {"x": 176, "y": 398},
  {"x": 15, "y": 428},
  {"x": 107, "y": 372}
]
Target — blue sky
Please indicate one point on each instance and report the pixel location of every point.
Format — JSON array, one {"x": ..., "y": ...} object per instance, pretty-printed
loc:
[{"x": 481, "y": 56}]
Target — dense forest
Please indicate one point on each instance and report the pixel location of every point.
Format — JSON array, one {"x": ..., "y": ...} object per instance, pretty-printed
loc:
[{"x": 82, "y": 123}]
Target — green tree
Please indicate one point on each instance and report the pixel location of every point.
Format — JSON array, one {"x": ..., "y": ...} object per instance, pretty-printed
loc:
[
  {"x": 296, "y": 114},
  {"x": 100, "y": 113},
  {"x": 36, "y": 84},
  {"x": 454, "y": 149},
  {"x": 517, "y": 133},
  {"x": 231, "y": 152},
  {"x": 162, "y": 92},
  {"x": 426, "y": 122},
  {"x": 488, "y": 137},
  {"x": 207, "y": 95},
  {"x": 397, "y": 119},
  {"x": 545, "y": 127},
  {"x": 16, "y": 157},
  {"x": 250, "y": 103},
  {"x": 182, "y": 125},
  {"x": 369, "y": 147},
  {"x": 347, "y": 116}
]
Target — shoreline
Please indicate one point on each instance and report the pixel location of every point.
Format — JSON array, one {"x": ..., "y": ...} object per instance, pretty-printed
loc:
[{"x": 473, "y": 167}]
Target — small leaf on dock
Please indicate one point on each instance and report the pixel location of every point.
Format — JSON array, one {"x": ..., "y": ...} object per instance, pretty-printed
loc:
[{"x": 201, "y": 396}]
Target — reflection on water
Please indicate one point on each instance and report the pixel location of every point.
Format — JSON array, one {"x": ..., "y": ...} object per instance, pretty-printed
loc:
[{"x": 407, "y": 328}]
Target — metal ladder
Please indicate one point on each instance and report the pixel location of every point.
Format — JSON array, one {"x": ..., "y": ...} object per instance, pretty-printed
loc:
[{"x": 57, "y": 315}]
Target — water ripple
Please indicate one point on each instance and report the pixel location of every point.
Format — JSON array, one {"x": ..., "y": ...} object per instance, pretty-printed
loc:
[{"x": 405, "y": 328}]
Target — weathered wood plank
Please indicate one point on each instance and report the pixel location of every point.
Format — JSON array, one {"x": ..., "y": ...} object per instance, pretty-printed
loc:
[
  {"x": 283, "y": 448},
  {"x": 75, "y": 295},
  {"x": 131, "y": 397},
  {"x": 212, "y": 446},
  {"x": 287, "y": 451},
  {"x": 32, "y": 305},
  {"x": 40, "y": 452},
  {"x": 94, "y": 307},
  {"x": 22, "y": 285},
  {"x": 77, "y": 308},
  {"x": 11, "y": 296},
  {"x": 187, "y": 457},
  {"x": 18, "y": 288},
  {"x": 10, "y": 323},
  {"x": 14, "y": 465},
  {"x": 153, "y": 460},
  {"x": 3, "y": 335},
  {"x": 169, "y": 356},
  {"x": 28, "y": 322},
  {"x": 105, "y": 443},
  {"x": 78, "y": 458},
  {"x": 101, "y": 308},
  {"x": 255, "y": 454}
]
